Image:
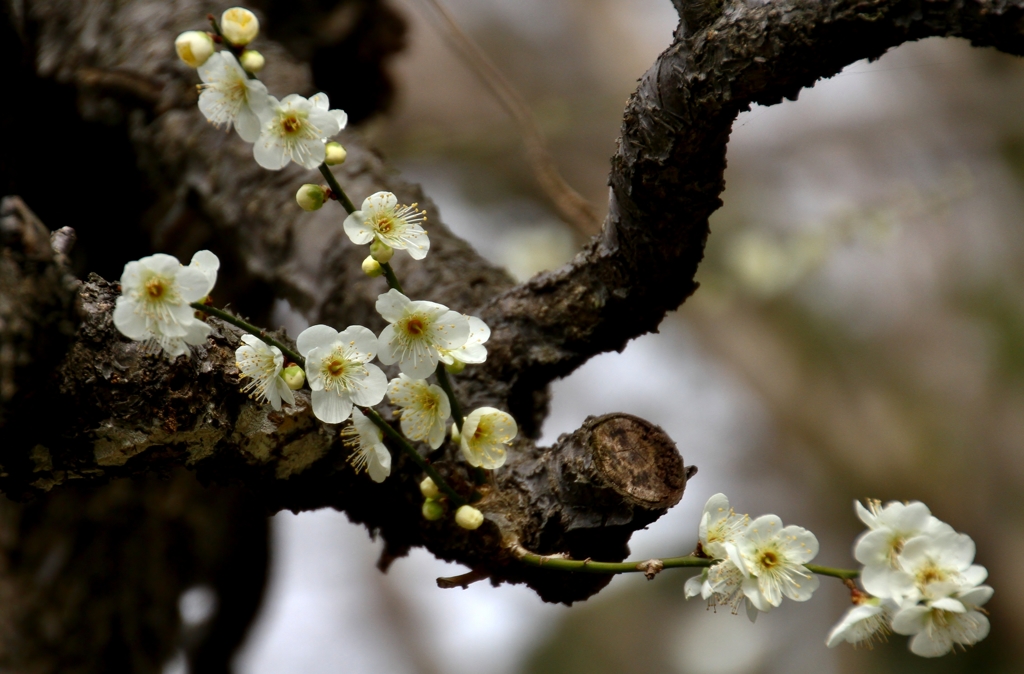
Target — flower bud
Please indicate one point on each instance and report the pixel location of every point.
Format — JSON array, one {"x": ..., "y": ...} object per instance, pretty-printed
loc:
[
  {"x": 194, "y": 47},
  {"x": 239, "y": 26},
  {"x": 293, "y": 376},
  {"x": 432, "y": 510},
  {"x": 456, "y": 436},
  {"x": 372, "y": 268},
  {"x": 429, "y": 489},
  {"x": 469, "y": 517},
  {"x": 381, "y": 252},
  {"x": 456, "y": 367},
  {"x": 336, "y": 154},
  {"x": 252, "y": 61},
  {"x": 311, "y": 197}
]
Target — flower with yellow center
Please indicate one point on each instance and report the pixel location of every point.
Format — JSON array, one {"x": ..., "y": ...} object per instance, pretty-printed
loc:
[
  {"x": 418, "y": 332},
  {"x": 154, "y": 302},
  {"x": 771, "y": 558},
  {"x": 719, "y": 525},
  {"x": 228, "y": 97},
  {"x": 381, "y": 218},
  {"x": 485, "y": 434},
  {"x": 368, "y": 452},
  {"x": 425, "y": 409},
  {"x": 294, "y": 129},
  {"x": 263, "y": 364},
  {"x": 339, "y": 371}
]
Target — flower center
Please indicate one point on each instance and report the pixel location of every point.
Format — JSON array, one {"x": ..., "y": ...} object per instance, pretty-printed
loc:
[
  {"x": 155, "y": 288},
  {"x": 414, "y": 326},
  {"x": 930, "y": 574},
  {"x": 291, "y": 124},
  {"x": 385, "y": 224},
  {"x": 336, "y": 367},
  {"x": 769, "y": 559}
]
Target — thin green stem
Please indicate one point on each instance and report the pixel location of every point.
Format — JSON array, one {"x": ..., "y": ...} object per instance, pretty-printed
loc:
[
  {"x": 648, "y": 566},
  {"x": 441, "y": 483},
  {"x": 446, "y": 386},
  {"x": 250, "y": 328},
  {"x": 336, "y": 188},
  {"x": 389, "y": 276},
  {"x": 844, "y": 574}
]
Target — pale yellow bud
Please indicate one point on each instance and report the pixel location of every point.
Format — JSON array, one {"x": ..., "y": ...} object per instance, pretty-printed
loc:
[
  {"x": 456, "y": 367},
  {"x": 252, "y": 61},
  {"x": 194, "y": 47},
  {"x": 239, "y": 26},
  {"x": 429, "y": 489},
  {"x": 432, "y": 510},
  {"x": 456, "y": 436},
  {"x": 336, "y": 154},
  {"x": 372, "y": 268},
  {"x": 294, "y": 377},
  {"x": 381, "y": 252},
  {"x": 469, "y": 517},
  {"x": 311, "y": 197}
]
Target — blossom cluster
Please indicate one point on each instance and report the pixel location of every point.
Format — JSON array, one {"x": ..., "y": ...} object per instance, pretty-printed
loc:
[
  {"x": 758, "y": 562},
  {"x": 920, "y": 580}
]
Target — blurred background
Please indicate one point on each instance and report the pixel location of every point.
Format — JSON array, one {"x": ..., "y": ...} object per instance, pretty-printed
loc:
[{"x": 859, "y": 332}]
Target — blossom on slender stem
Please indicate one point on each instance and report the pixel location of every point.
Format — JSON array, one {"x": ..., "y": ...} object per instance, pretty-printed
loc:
[
  {"x": 339, "y": 370},
  {"x": 228, "y": 97},
  {"x": 293, "y": 129},
  {"x": 239, "y": 25},
  {"x": 485, "y": 433},
  {"x": 929, "y": 565},
  {"x": 870, "y": 620},
  {"x": 771, "y": 558},
  {"x": 719, "y": 524},
  {"x": 473, "y": 351},
  {"x": 890, "y": 527},
  {"x": 418, "y": 331},
  {"x": 381, "y": 218},
  {"x": 941, "y": 622},
  {"x": 263, "y": 364},
  {"x": 368, "y": 450},
  {"x": 424, "y": 409},
  {"x": 154, "y": 303}
]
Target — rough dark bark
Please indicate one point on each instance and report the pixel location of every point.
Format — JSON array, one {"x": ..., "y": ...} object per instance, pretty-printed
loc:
[{"x": 134, "y": 415}]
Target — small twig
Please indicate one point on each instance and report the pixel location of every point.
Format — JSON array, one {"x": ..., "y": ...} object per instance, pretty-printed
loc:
[
  {"x": 250, "y": 328},
  {"x": 463, "y": 581},
  {"x": 336, "y": 189}
]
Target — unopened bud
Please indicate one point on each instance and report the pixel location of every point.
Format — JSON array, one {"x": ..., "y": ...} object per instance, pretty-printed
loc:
[
  {"x": 336, "y": 154},
  {"x": 432, "y": 510},
  {"x": 381, "y": 252},
  {"x": 372, "y": 268},
  {"x": 456, "y": 436},
  {"x": 456, "y": 367},
  {"x": 429, "y": 488},
  {"x": 293, "y": 376},
  {"x": 311, "y": 197},
  {"x": 469, "y": 517},
  {"x": 252, "y": 61},
  {"x": 239, "y": 26},
  {"x": 194, "y": 47}
]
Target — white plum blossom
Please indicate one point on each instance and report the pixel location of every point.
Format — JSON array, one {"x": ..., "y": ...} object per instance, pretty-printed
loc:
[
  {"x": 940, "y": 623},
  {"x": 154, "y": 302},
  {"x": 418, "y": 332},
  {"x": 485, "y": 433},
  {"x": 719, "y": 524},
  {"x": 263, "y": 364},
  {"x": 369, "y": 453},
  {"x": 869, "y": 620},
  {"x": 228, "y": 97},
  {"x": 293, "y": 129},
  {"x": 931, "y": 567},
  {"x": 771, "y": 558},
  {"x": 890, "y": 527},
  {"x": 381, "y": 218},
  {"x": 425, "y": 409},
  {"x": 339, "y": 370},
  {"x": 722, "y": 585},
  {"x": 473, "y": 351}
]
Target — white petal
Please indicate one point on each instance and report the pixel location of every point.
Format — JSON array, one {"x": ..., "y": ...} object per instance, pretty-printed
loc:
[
  {"x": 311, "y": 152},
  {"x": 911, "y": 620},
  {"x": 370, "y": 391},
  {"x": 323, "y": 336},
  {"x": 331, "y": 408},
  {"x": 320, "y": 101},
  {"x": 247, "y": 124},
  {"x": 130, "y": 323},
  {"x": 270, "y": 152},
  {"x": 341, "y": 117},
  {"x": 362, "y": 340},
  {"x": 379, "y": 464},
  {"x": 387, "y": 354},
  {"x": 392, "y": 306},
  {"x": 357, "y": 229}
]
